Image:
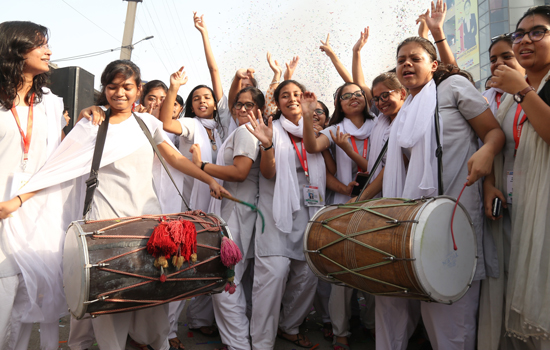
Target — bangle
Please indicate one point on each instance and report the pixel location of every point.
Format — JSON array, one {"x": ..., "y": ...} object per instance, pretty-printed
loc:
[
  {"x": 438, "y": 41},
  {"x": 20, "y": 201},
  {"x": 275, "y": 82},
  {"x": 267, "y": 148}
]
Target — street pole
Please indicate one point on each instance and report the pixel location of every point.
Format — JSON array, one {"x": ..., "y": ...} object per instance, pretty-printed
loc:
[{"x": 126, "y": 51}]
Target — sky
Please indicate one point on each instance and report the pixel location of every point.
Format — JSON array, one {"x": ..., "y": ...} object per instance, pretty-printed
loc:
[{"x": 241, "y": 32}]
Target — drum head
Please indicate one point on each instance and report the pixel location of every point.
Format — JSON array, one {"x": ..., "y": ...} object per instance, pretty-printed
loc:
[
  {"x": 444, "y": 273},
  {"x": 76, "y": 276}
]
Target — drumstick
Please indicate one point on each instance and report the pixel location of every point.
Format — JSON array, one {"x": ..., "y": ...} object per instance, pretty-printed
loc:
[{"x": 251, "y": 206}]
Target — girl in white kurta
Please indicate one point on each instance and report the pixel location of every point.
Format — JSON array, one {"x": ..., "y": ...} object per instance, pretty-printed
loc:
[
  {"x": 120, "y": 192},
  {"x": 238, "y": 168},
  {"x": 464, "y": 116},
  {"x": 30, "y": 123},
  {"x": 281, "y": 274}
]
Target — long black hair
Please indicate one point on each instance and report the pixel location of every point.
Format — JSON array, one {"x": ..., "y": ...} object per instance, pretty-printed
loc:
[
  {"x": 126, "y": 68},
  {"x": 277, "y": 93},
  {"x": 189, "y": 107},
  {"x": 339, "y": 114},
  {"x": 543, "y": 10},
  {"x": 17, "y": 39}
]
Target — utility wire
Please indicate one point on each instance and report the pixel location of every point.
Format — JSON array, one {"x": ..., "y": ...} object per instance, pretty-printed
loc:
[
  {"x": 154, "y": 49},
  {"x": 118, "y": 40},
  {"x": 163, "y": 34}
]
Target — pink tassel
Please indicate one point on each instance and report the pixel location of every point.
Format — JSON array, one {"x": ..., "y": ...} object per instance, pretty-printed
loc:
[
  {"x": 230, "y": 252},
  {"x": 230, "y": 287}
]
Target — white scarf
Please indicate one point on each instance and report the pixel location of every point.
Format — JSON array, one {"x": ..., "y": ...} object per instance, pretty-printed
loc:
[
  {"x": 345, "y": 165},
  {"x": 215, "y": 205},
  {"x": 528, "y": 302},
  {"x": 491, "y": 95},
  {"x": 200, "y": 194},
  {"x": 36, "y": 231},
  {"x": 286, "y": 197},
  {"x": 380, "y": 133},
  {"x": 413, "y": 128}
]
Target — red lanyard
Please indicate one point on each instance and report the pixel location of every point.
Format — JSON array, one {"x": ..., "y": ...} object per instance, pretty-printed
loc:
[
  {"x": 303, "y": 161},
  {"x": 518, "y": 126},
  {"x": 365, "y": 150},
  {"x": 498, "y": 97},
  {"x": 26, "y": 139}
]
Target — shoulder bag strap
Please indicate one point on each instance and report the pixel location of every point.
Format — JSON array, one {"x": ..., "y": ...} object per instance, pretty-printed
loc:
[
  {"x": 150, "y": 138},
  {"x": 373, "y": 170},
  {"x": 93, "y": 181},
  {"x": 438, "y": 150}
]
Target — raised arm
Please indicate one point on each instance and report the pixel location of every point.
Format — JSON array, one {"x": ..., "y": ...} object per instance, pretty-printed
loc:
[
  {"x": 291, "y": 67},
  {"x": 210, "y": 60},
  {"x": 312, "y": 143},
  {"x": 177, "y": 79},
  {"x": 236, "y": 85},
  {"x": 422, "y": 26},
  {"x": 326, "y": 48},
  {"x": 270, "y": 105},
  {"x": 356, "y": 68},
  {"x": 434, "y": 21}
]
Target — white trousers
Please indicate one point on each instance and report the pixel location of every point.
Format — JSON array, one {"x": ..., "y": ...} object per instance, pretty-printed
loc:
[
  {"x": 200, "y": 312},
  {"x": 230, "y": 311},
  {"x": 449, "y": 327},
  {"x": 282, "y": 296},
  {"x": 321, "y": 300},
  {"x": 146, "y": 326},
  {"x": 340, "y": 310},
  {"x": 81, "y": 333}
]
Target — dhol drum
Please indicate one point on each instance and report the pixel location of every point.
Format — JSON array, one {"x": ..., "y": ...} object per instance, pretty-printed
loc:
[
  {"x": 106, "y": 267},
  {"x": 395, "y": 247}
]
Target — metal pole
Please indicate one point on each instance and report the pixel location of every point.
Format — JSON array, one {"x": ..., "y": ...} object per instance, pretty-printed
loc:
[{"x": 126, "y": 51}]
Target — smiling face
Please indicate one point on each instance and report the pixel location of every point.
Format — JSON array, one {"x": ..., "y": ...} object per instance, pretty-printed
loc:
[
  {"x": 289, "y": 101},
  {"x": 319, "y": 119},
  {"x": 355, "y": 104},
  {"x": 154, "y": 97},
  {"x": 121, "y": 93},
  {"x": 533, "y": 56},
  {"x": 502, "y": 54},
  {"x": 414, "y": 67},
  {"x": 36, "y": 60},
  {"x": 203, "y": 103},
  {"x": 390, "y": 105}
]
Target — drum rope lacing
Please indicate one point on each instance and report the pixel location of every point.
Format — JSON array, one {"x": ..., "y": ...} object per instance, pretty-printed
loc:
[
  {"x": 208, "y": 226},
  {"x": 453, "y": 217},
  {"x": 392, "y": 223}
]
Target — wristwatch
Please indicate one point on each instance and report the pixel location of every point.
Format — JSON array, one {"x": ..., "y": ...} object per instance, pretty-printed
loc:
[
  {"x": 521, "y": 95},
  {"x": 203, "y": 165}
]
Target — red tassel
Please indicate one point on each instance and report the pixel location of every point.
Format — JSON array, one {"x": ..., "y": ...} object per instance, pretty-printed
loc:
[
  {"x": 190, "y": 239},
  {"x": 160, "y": 242},
  {"x": 230, "y": 252},
  {"x": 230, "y": 287}
]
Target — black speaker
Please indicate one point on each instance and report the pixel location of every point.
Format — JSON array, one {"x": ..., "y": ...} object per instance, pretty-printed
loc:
[{"x": 76, "y": 86}]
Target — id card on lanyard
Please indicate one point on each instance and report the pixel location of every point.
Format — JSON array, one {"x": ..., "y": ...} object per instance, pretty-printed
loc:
[
  {"x": 312, "y": 195},
  {"x": 19, "y": 179}
]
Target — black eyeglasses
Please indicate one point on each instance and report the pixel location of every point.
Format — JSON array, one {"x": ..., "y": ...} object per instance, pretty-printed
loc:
[
  {"x": 383, "y": 96},
  {"x": 247, "y": 106},
  {"x": 318, "y": 111},
  {"x": 349, "y": 95},
  {"x": 534, "y": 35}
]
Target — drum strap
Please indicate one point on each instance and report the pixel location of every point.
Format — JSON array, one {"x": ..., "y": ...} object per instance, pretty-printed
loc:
[
  {"x": 438, "y": 150},
  {"x": 372, "y": 171},
  {"x": 150, "y": 138},
  {"x": 92, "y": 182}
]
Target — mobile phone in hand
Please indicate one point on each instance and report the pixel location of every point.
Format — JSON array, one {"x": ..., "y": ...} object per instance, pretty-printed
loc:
[
  {"x": 361, "y": 179},
  {"x": 497, "y": 207}
]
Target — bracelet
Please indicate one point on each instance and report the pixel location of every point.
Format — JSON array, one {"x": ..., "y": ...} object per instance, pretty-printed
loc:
[
  {"x": 267, "y": 148},
  {"x": 20, "y": 201},
  {"x": 202, "y": 165},
  {"x": 437, "y": 42}
]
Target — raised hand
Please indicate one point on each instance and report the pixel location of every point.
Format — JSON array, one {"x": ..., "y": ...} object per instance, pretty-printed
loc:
[
  {"x": 325, "y": 47},
  {"x": 423, "y": 28},
  {"x": 435, "y": 20},
  {"x": 340, "y": 139},
  {"x": 362, "y": 40},
  {"x": 178, "y": 78},
  {"x": 199, "y": 23},
  {"x": 309, "y": 103},
  {"x": 274, "y": 65},
  {"x": 291, "y": 67},
  {"x": 257, "y": 127}
]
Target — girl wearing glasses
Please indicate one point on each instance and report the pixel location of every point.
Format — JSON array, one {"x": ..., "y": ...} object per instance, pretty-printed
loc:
[
  {"x": 292, "y": 187},
  {"x": 464, "y": 115},
  {"x": 31, "y": 120},
  {"x": 238, "y": 167},
  {"x": 527, "y": 311}
]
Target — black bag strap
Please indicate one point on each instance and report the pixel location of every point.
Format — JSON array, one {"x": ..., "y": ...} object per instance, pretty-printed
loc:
[
  {"x": 150, "y": 138},
  {"x": 93, "y": 181},
  {"x": 438, "y": 150},
  {"x": 375, "y": 166}
]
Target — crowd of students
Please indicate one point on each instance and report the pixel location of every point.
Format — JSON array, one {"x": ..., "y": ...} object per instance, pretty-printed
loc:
[{"x": 271, "y": 149}]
